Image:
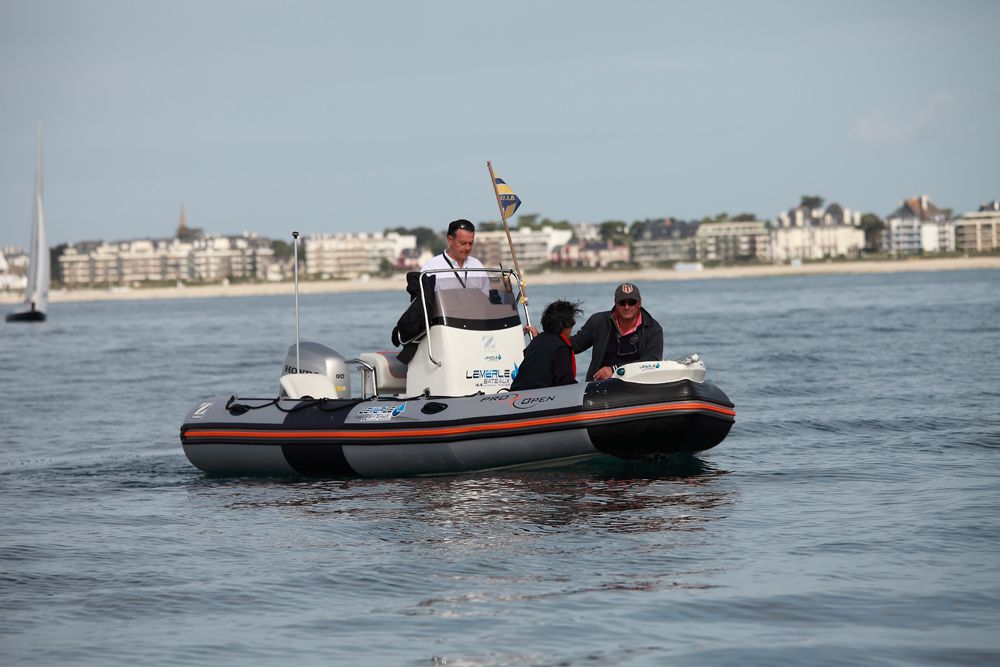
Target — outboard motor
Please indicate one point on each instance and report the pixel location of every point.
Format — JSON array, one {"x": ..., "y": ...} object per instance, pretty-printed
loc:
[{"x": 320, "y": 359}]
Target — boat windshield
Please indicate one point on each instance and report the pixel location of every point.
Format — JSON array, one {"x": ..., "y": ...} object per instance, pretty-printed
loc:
[{"x": 489, "y": 305}]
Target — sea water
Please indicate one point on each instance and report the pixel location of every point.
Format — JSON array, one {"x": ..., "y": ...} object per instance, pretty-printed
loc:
[{"x": 852, "y": 516}]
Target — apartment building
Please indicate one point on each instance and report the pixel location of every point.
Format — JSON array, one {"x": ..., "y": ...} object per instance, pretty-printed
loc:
[
  {"x": 979, "y": 231},
  {"x": 816, "y": 242},
  {"x": 810, "y": 216},
  {"x": 663, "y": 241},
  {"x": 13, "y": 275},
  {"x": 904, "y": 227},
  {"x": 533, "y": 247},
  {"x": 937, "y": 236},
  {"x": 352, "y": 255},
  {"x": 208, "y": 259},
  {"x": 732, "y": 241},
  {"x": 654, "y": 252}
]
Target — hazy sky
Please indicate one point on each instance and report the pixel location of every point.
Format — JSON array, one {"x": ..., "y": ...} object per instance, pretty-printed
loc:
[{"x": 329, "y": 116}]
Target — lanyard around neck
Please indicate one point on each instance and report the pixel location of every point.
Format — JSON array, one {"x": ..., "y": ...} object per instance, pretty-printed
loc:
[{"x": 460, "y": 281}]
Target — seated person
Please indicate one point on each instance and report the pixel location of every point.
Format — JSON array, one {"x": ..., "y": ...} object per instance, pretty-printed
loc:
[
  {"x": 622, "y": 335},
  {"x": 548, "y": 359}
]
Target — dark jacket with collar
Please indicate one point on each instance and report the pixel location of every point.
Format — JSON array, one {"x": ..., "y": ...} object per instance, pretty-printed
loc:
[
  {"x": 600, "y": 330},
  {"x": 412, "y": 326}
]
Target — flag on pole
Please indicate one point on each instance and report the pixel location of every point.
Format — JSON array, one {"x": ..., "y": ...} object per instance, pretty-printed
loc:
[{"x": 508, "y": 200}]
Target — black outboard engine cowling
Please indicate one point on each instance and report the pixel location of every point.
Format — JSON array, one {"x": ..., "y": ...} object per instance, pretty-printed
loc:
[{"x": 316, "y": 358}]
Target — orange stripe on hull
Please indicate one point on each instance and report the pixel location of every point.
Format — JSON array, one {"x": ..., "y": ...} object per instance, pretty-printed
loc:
[{"x": 459, "y": 430}]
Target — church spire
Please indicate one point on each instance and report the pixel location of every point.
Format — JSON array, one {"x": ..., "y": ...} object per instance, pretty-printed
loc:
[
  {"x": 182, "y": 228},
  {"x": 185, "y": 233}
]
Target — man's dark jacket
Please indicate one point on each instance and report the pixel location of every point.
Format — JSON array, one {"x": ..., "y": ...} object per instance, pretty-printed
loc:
[
  {"x": 600, "y": 330},
  {"x": 548, "y": 362},
  {"x": 412, "y": 326}
]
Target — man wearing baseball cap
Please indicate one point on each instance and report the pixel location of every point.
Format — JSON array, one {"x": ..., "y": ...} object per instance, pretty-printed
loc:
[{"x": 624, "y": 334}]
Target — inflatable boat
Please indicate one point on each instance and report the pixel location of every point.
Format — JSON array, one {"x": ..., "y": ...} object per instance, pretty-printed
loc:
[{"x": 450, "y": 409}]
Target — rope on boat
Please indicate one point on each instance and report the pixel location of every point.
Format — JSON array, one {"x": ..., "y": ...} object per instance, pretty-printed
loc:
[
  {"x": 237, "y": 409},
  {"x": 242, "y": 408}
]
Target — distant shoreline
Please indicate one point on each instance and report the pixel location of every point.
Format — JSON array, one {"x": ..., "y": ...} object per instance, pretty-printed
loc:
[{"x": 549, "y": 278}]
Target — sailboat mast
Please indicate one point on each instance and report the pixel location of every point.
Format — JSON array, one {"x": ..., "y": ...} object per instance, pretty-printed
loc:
[{"x": 39, "y": 270}]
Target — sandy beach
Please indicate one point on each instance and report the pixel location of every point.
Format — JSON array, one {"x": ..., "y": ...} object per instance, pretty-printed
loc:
[{"x": 544, "y": 278}]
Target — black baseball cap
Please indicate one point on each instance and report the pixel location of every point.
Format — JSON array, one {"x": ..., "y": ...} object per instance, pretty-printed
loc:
[{"x": 627, "y": 291}]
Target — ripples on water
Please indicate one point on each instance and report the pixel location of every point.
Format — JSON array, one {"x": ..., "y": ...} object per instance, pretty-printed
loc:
[{"x": 850, "y": 517}]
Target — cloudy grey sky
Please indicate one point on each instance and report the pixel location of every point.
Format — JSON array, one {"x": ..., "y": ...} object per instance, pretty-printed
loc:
[{"x": 339, "y": 116}]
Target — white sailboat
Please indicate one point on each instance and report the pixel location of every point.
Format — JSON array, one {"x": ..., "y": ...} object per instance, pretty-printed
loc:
[{"x": 36, "y": 294}]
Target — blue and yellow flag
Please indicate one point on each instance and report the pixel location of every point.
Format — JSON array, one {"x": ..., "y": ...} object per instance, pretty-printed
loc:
[{"x": 508, "y": 200}]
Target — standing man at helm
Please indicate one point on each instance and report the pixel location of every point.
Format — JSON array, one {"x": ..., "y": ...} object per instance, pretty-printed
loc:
[
  {"x": 457, "y": 258},
  {"x": 622, "y": 335}
]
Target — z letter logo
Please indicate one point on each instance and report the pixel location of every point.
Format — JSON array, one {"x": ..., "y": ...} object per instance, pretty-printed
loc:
[{"x": 489, "y": 343}]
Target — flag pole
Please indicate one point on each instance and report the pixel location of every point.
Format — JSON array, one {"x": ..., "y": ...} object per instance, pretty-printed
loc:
[{"x": 510, "y": 242}]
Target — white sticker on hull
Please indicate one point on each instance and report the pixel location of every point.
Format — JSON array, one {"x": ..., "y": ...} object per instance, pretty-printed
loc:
[
  {"x": 491, "y": 377},
  {"x": 380, "y": 413},
  {"x": 517, "y": 401}
]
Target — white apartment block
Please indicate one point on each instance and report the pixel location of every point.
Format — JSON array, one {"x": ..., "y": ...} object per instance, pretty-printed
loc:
[
  {"x": 14, "y": 259},
  {"x": 90, "y": 264},
  {"x": 979, "y": 231},
  {"x": 533, "y": 247},
  {"x": 731, "y": 240},
  {"x": 12, "y": 277},
  {"x": 353, "y": 255},
  {"x": 937, "y": 236},
  {"x": 904, "y": 227},
  {"x": 803, "y": 216},
  {"x": 902, "y": 236},
  {"x": 227, "y": 257},
  {"x": 208, "y": 259},
  {"x": 816, "y": 242},
  {"x": 492, "y": 249},
  {"x": 557, "y": 237}
]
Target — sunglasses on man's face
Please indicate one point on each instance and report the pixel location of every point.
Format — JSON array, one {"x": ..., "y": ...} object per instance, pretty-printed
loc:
[{"x": 627, "y": 302}]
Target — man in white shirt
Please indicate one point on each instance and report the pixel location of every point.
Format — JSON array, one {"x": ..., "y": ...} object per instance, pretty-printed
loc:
[{"x": 461, "y": 236}]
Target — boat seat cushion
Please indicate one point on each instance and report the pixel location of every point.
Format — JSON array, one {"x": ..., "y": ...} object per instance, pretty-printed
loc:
[{"x": 390, "y": 370}]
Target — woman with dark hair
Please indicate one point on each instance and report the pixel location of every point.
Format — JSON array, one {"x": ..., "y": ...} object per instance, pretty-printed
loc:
[{"x": 548, "y": 359}]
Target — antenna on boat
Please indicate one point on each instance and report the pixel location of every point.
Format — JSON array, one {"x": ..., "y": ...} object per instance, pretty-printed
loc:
[{"x": 295, "y": 245}]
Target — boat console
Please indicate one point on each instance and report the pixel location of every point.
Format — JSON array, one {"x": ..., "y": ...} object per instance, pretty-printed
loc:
[{"x": 474, "y": 339}]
